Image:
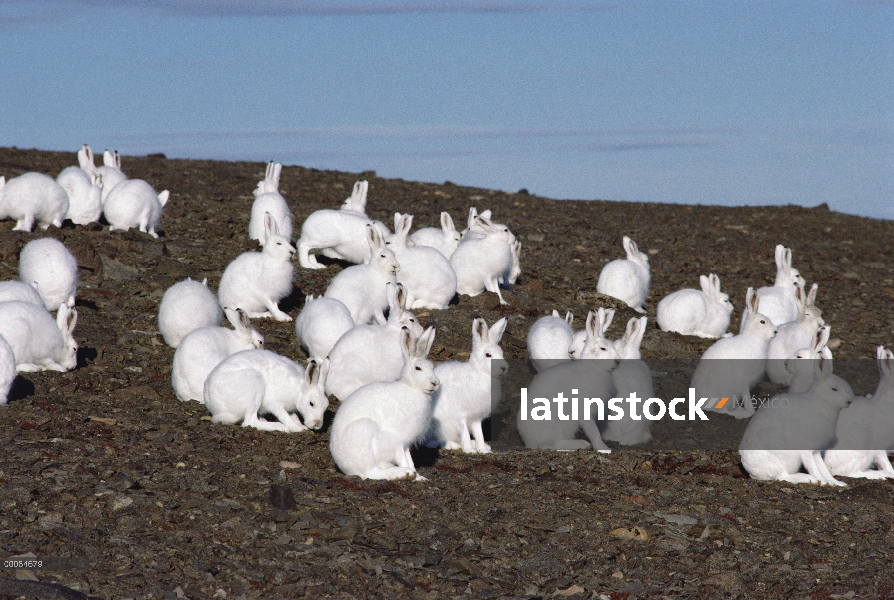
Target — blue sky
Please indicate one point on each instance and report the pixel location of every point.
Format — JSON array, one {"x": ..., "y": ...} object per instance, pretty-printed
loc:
[{"x": 690, "y": 102}]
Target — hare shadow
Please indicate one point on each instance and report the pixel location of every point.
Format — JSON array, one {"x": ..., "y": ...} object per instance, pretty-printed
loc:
[
  {"x": 21, "y": 389},
  {"x": 292, "y": 301}
]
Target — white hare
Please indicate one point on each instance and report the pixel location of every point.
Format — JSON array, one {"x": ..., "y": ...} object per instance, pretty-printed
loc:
[
  {"x": 792, "y": 337},
  {"x": 320, "y": 325},
  {"x": 732, "y": 366},
  {"x": 802, "y": 370},
  {"x": 368, "y": 353},
  {"x": 792, "y": 430},
  {"x": 778, "y": 302},
  {"x": 257, "y": 281},
  {"x": 364, "y": 288},
  {"x": 631, "y": 377},
  {"x": 464, "y": 399},
  {"x": 269, "y": 200},
  {"x": 444, "y": 240},
  {"x": 549, "y": 340},
  {"x": 38, "y": 342},
  {"x": 339, "y": 234},
  {"x": 7, "y": 370},
  {"x": 251, "y": 383},
  {"x": 375, "y": 426},
  {"x": 185, "y": 307},
  {"x": 481, "y": 259},
  {"x": 540, "y": 428},
  {"x": 52, "y": 269},
  {"x": 33, "y": 197},
  {"x": 110, "y": 171},
  {"x": 704, "y": 313},
  {"x": 628, "y": 278},
  {"x": 206, "y": 347},
  {"x": 864, "y": 432},
  {"x": 84, "y": 186},
  {"x": 428, "y": 276},
  {"x": 133, "y": 203}
]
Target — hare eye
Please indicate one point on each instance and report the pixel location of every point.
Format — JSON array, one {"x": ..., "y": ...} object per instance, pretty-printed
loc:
[
  {"x": 312, "y": 404},
  {"x": 834, "y": 389},
  {"x": 488, "y": 354},
  {"x": 412, "y": 320},
  {"x": 418, "y": 368},
  {"x": 763, "y": 322}
]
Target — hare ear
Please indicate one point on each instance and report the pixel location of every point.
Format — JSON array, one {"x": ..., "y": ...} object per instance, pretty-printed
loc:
[
  {"x": 406, "y": 225},
  {"x": 479, "y": 332},
  {"x": 780, "y": 256},
  {"x": 823, "y": 368},
  {"x": 821, "y": 338},
  {"x": 569, "y": 317},
  {"x": 163, "y": 197},
  {"x": 715, "y": 281},
  {"x": 630, "y": 247},
  {"x": 636, "y": 329},
  {"x": 706, "y": 284},
  {"x": 117, "y": 160},
  {"x": 270, "y": 227},
  {"x": 400, "y": 297},
  {"x": 605, "y": 316},
  {"x": 447, "y": 222},
  {"x": 205, "y": 282},
  {"x": 592, "y": 326},
  {"x": 407, "y": 344},
  {"x": 424, "y": 343},
  {"x": 555, "y": 313},
  {"x": 372, "y": 236},
  {"x": 277, "y": 169},
  {"x": 495, "y": 334},
  {"x": 397, "y": 219},
  {"x": 268, "y": 171},
  {"x": 364, "y": 189},
  {"x": 324, "y": 373},
  {"x": 811, "y": 295},
  {"x": 473, "y": 213},
  {"x": 308, "y": 299},
  {"x": 787, "y": 259},
  {"x": 312, "y": 374},
  {"x": 885, "y": 362},
  {"x": 244, "y": 321}
]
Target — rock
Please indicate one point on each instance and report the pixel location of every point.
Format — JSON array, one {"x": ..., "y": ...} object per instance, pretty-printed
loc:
[{"x": 115, "y": 270}]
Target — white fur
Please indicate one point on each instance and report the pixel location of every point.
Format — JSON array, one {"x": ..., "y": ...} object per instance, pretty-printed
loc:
[
  {"x": 802, "y": 370},
  {"x": 864, "y": 432},
  {"x": 427, "y": 275},
  {"x": 595, "y": 379},
  {"x": 549, "y": 339},
  {"x": 39, "y": 342},
  {"x": 20, "y": 291},
  {"x": 254, "y": 382},
  {"x": 133, "y": 203},
  {"x": 368, "y": 353},
  {"x": 733, "y": 365},
  {"x": 33, "y": 197},
  {"x": 7, "y": 370},
  {"x": 778, "y": 302},
  {"x": 632, "y": 376},
  {"x": 339, "y": 234},
  {"x": 257, "y": 281},
  {"x": 464, "y": 398},
  {"x": 320, "y": 325},
  {"x": 791, "y": 337},
  {"x": 364, "y": 288},
  {"x": 110, "y": 171},
  {"x": 375, "y": 426},
  {"x": 704, "y": 313},
  {"x": 51, "y": 268},
  {"x": 627, "y": 279},
  {"x": 444, "y": 239},
  {"x": 481, "y": 259},
  {"x": 84, "y": 187},
  {"x": 203, "y": 349},
  {"x": 269, "y": 200},
  {"x": 791, "y": 431},
  {"x": 185, "y": 307}
]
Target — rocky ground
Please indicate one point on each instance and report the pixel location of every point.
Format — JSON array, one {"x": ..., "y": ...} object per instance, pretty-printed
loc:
[{"x": 104, "y": 463}]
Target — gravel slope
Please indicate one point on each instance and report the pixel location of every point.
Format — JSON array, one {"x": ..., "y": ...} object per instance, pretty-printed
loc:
[{"x": 105, "y": 463}]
